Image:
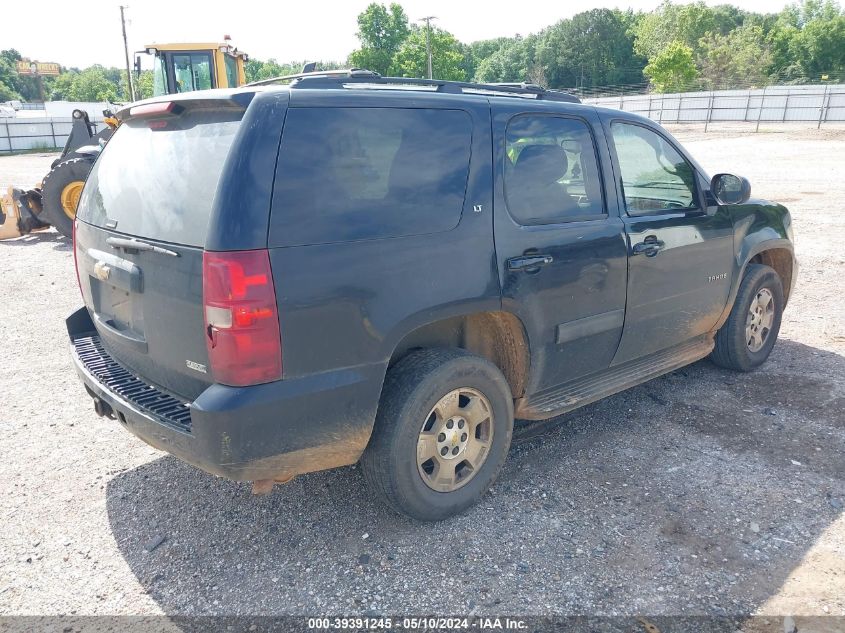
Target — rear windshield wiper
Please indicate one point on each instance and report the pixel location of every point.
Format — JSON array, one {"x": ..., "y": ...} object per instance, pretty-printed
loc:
[{"x": 137, "y": 245}]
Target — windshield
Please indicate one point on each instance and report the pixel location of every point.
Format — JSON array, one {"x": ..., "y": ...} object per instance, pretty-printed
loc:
[{"x": 160, "y": 182}]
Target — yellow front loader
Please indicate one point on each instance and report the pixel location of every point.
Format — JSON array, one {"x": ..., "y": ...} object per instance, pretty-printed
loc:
[{"x": 176, "y": 68}]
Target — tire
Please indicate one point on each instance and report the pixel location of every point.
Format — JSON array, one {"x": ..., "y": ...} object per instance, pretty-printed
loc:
[
  {"x": 412, "y": 388},
  {"x": 66, "y": 178},
  {"x": 733, "y": 349}
]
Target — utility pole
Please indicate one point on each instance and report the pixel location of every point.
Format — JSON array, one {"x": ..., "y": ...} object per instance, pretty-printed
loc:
[
  {"x": 129, "y": 82},
  {"x": 427, "y": 21}
]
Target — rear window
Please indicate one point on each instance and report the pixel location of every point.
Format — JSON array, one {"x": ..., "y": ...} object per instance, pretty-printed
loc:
[
  {"x": 349, "y": 174},
  {"x": 159, "y": 183}
]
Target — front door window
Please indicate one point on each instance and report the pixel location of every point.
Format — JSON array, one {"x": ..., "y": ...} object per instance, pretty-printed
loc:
[{"x": 655, "y": 177}]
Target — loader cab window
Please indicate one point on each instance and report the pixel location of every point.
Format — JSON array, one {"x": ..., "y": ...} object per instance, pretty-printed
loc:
[
  {"x": 159, "y": 77},
  {"x": 231, "y": 71},
  {"x": 192, "y": 71}
]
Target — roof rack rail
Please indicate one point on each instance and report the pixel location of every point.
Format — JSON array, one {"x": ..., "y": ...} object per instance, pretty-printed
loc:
[
  {"x": 342, "y": 78},
  {"x": 345, "y": 73}
]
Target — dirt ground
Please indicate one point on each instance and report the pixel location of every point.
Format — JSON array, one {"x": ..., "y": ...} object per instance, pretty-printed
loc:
[{"x": 703, "y": 492}]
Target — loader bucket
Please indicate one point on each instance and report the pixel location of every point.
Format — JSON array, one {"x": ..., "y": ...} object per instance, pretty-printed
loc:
[{"x": 19, "y": 211}]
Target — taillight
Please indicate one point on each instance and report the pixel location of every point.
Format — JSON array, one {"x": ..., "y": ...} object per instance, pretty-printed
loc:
[
  {"x": 75, "y": 260},
  {"x": 153, "y": 109},
  {"x": 241, "y": 318}
]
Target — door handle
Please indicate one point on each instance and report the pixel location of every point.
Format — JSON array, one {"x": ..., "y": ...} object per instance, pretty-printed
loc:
[
  {"x": 529, "y": 262},
  {"x": 135, "y": 342},
  {"x": 648, "y": 247}
]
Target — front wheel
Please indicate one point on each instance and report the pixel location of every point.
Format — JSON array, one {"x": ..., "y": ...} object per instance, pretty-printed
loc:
[
  {"x": 441, "y": 435},
  {"x": 60, "y": 192},
  {"x": 746, "y": 339}
]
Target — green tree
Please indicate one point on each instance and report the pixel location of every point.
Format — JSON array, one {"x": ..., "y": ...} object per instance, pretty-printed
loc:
[
  {"x": 511, "y": 62},
  {"x": 382, "y": 31},
  {"x": 822, "y": 45},
  {"x": 477, "y": 52},
  {"x": 594, "y": 48},
  {"x": 447, "y": 56},
  {"x": 7, "y": 82},
  {"x": 742, "y": 56},
  {"x": 727, "y": 17},
  {"x": 95, "y": 83},
  {"x": 60, "y": 90},
  {"x": 17, "y": 86},
  {"x": 672, "y": 69},
  {"x": 807, "y": 40},
  {"x": 6, "y": 93},
  {"x": 9, "y": 75},
  {"x": 256, "y": 70},
  {"x": 143, "y": 85},
  {"x": 483, "y": 49},
  {"x": 685, "y": 23}
]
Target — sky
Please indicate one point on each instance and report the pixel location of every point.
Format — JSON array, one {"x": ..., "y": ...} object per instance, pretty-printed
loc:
[{"x": 81, "y": 34}]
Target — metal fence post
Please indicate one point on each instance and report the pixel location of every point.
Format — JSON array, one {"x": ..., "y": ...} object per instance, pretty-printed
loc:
[
  {"x": 680, "y": 107},
  {"x": 821, "y": 109},
  {"x": 8, "y": 135},
  {"x": 747, "y": 105},
  {"x": 709, "y": 112},
  {"x": 650, "y": 97},
  {"x": 785, "y": 106},
  {"x": 760, "y": 111},
  {"x": 660, "y": 112},
  {"x": 53, "y": 133},
  {"x": 827, "y": 108}
]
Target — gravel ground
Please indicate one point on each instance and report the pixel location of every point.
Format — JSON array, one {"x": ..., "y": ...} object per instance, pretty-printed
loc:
[{"x": 701, "y": 492}]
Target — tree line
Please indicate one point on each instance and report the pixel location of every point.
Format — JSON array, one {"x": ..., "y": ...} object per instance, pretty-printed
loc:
[{"x": 675, "y": 47}]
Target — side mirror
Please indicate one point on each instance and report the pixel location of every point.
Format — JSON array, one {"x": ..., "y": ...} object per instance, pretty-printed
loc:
[{"x": 730, "y": 189}]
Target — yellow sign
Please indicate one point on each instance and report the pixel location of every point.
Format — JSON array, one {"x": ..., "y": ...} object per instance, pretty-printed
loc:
[{"x": 37, "y": 68}]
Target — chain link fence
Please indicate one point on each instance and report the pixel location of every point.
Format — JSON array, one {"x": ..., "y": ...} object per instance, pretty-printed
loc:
[
  {"x": 811, "y": 104},
  {"x": 772, "y": 104},
  {"x": 32, "y": 134}
]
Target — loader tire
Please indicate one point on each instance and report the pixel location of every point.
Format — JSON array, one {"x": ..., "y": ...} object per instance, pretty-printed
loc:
[{"x": 60, "y": 193}]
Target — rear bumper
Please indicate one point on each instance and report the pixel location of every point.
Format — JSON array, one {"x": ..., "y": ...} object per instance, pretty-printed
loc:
[{"x": 270, "y": 431}]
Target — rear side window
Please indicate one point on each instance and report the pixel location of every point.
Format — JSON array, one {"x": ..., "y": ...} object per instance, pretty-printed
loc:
[
  {"x": 349, "y": 174},
  {"x": 551, "y": 170},
  {"x": 159, "y": 182}
]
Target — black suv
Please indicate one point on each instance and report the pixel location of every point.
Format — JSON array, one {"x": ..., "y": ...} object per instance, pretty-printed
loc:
[{"x": 281, "y": 279}]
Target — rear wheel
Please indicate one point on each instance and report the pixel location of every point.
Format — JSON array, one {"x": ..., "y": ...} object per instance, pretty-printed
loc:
[
  {"x": 61, "y": 190},
  {"x": 441, "y": 435},
  {"x": 746, "y": 339}
]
